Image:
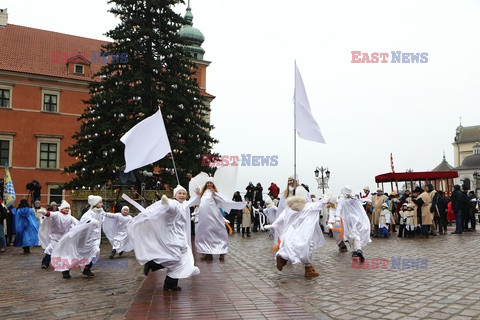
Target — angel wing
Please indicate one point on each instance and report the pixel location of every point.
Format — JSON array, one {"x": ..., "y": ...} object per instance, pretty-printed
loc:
[
  {"x": 225, "y": 179},
  {"x": 197, "y": 182}
]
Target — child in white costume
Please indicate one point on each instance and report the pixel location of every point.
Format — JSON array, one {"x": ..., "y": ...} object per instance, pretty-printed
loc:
[
  {"x": 410, "y": 223},
  {"x": 211, "y": 236},
  {"x": 115, "y": 228},
  {"x": 402, "y": 232},
  {"x": 54, "y": 225},
  {"x": 355, "y": 221},
  {"x": 78, "y": 247},
  {"x": 160, "y": 238},
  {"x": 384, "y": 221},
  {"x": 335, "y": 222},
  {"x": 300, "y": 233}
]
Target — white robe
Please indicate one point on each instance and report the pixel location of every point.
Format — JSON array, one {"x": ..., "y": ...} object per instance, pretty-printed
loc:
[
  {"x": 160, "y": 234},
  {"x": 79, "y": 246},
  {"x": 115, "y": 228},
  {"x": 300, "y": 233},
  {"x": 211, "y": 236},
  {"x": 355, "y": 220},
  {"x": 53, "y": 228}
]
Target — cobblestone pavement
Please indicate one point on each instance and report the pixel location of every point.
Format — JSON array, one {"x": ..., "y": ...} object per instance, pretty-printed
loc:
[{"x": 444, "y": 285}]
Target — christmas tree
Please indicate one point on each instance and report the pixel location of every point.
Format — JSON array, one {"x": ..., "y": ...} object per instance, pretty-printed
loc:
[{"x": 148, "y": 68}]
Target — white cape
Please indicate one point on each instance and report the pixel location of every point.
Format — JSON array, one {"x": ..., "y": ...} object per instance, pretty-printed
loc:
[
  {"x": 115, "y": 228},
  {"x": 78, "y": 247},
  {"x": 211, "y": 236},
  {"x": 53, "y": 228},
  {"x": 160, "y": 234},
  {"x": 299, "y": 233},
  {"x": 355, "y": 220}
]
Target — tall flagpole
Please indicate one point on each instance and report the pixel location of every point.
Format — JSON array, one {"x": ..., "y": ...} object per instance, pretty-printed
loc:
[
  {"x": 175, "y": 168},
  {"x": 294, "y": 133}
]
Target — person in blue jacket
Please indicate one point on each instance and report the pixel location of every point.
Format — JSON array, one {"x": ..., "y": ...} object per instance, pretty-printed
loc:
[{"x": 26, "y": 227}]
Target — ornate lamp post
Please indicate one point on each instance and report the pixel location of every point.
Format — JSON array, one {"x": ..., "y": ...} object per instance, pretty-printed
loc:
[
  {"x": 323, "y": 179},
  {"x": 476, "y": 176}
]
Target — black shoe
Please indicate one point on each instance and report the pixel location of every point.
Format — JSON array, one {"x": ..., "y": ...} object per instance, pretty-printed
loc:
[
  {"x": 455, "y": 232},
  {"x": 360, "y": 255},
  {"x": 112, "y": 254},
  {"x": 375, "y": 235},
  {"x": 171, "y": 284},
  {"x": 44, "y": 266},
  {"x": 120, "y": 254},
  {"x": 66, "y": 274},
  {"x": 88, "y": 273},
  {"x": 248, "y": 235},
  {"x": 147, "y": 267}
]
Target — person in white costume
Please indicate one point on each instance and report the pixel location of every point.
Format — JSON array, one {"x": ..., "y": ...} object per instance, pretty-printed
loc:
[
  {"x": 115, "y": 228},
  {"x": 270, "y": 212},
  {"x": 355, "y": 222},
  {"x": 160, "y": 237},
  {"x": 54, "y": 225},
  {"x": 211, "y": 236},
  {"x": 81, "y": 245},
  {"x": 335, "y": 223},
  {"x": 300, "y": 233},
  {"x": 292, "y": 190},
  {"x": 410, "y": 222},
  {"x": 384, "y": 221}
]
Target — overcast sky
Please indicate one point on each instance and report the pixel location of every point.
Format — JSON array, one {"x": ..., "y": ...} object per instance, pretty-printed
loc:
[{"x": 365, "y": 111}]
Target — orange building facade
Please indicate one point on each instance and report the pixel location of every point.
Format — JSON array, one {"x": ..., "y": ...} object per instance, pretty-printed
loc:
[{"x": 44, "y": 79}]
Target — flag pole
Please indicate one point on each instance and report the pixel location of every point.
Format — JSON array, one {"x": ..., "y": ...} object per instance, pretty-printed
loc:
[
  {"x": 294, "y": 134},
  {"x": 175, "y": 168}
]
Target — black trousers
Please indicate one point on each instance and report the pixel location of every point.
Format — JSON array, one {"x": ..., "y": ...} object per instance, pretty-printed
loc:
[
  {"x": 246, "y": 229},
  {"x": 402, "y": 230}
]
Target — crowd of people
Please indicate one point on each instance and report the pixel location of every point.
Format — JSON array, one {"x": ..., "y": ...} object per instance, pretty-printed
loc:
[{"x": 160, "y": 234}]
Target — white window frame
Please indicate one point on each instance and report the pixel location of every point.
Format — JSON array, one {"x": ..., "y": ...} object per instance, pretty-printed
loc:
[
  {"x": 10, "y": 149},
  {"x": 57, "y": 93},
  {"x": 41, "y": 140},
  {"x": 9, "y": 88},
  {"x": 75, "y": 68}
]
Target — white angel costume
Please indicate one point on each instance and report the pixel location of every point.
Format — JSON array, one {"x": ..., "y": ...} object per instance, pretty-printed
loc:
[
  {"x": 115, "y": 228},
  {"x": 299, "y": 230},
  {"x": 271, "y": 212},
  {"x": 211, "y": 236},
  {"x": 54, "y": 225},
  {"x": 355, "y": 221},
  {"x": 78, "y": 247},
  {"x": 160, "y": 234}
]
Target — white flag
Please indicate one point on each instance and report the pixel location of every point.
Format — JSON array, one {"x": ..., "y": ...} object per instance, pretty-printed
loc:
[
  {"x": 146, "y": 143},
  {"x": 307, "y": 128}
]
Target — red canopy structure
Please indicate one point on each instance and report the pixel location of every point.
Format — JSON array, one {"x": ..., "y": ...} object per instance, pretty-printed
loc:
[{"x": 439, "y": 179}]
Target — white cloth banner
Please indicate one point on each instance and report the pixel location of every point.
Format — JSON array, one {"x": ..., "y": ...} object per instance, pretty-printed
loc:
[
  {"x": 146, "y": 142},
  {"x": 306, "y": 126}
]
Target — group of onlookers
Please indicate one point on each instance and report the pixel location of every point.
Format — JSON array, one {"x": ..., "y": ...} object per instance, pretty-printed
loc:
[{"x": 423, "y": 211}]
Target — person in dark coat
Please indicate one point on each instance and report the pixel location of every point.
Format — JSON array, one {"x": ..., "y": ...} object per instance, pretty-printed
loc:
[
  {"x": 457, "y": 199},
  {"x": 26, "y": 227},
  {"x": 237, "y": 214},
  {"x": 3, "y": 217},
  {"x": 442, "y": 212},
  {"x": 258, "y": 194},
  {"x": 250, "y": 190}
]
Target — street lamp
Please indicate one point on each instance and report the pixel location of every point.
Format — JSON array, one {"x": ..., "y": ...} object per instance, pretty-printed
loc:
[{"x": 323, "y": 179}]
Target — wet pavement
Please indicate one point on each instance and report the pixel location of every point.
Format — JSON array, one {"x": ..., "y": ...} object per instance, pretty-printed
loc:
[{"x": 434, "y": 278}]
